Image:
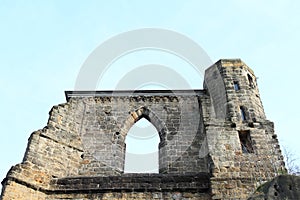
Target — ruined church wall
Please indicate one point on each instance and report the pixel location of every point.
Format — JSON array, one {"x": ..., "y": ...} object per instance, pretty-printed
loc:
[
  {"x": 221, "y": 131},
  {"x": 86, "y": 137},
  {"x": 80, "y": 135},
  {"x": 107, "y": 120}
]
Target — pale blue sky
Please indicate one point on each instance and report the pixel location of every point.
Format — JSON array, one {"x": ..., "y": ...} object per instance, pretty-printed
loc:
[{"x": 44, "y": 43}]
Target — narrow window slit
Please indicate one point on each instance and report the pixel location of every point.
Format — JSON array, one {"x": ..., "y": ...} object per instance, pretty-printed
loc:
[
  {"x": 236, "y": 85},
  {"x": 246, "y": 143},
  {"x": 243, "y": 113},
  {"x": 250, "y": 79}
]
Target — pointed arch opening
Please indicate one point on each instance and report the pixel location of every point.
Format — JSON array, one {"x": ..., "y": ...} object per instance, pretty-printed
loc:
[{"x": 142, "y": 148}]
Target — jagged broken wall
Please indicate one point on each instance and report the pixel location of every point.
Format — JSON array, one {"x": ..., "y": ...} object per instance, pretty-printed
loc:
[{"x": 86, "y": 137}]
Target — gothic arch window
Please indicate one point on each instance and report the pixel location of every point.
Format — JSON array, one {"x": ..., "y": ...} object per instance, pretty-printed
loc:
[{"x": 142, "y": 151}]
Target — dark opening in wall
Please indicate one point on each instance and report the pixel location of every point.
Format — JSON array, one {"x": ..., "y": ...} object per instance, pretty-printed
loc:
[
  {"x": 236, "y": 85},
  {"x": 245, "y": 141},
  {"x": 250, "y": 79},
  {"x": 243, "y": 113}
]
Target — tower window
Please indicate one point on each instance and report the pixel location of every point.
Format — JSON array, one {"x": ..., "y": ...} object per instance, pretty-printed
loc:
[
  {"x": 250, "y": 80},
  {"x": 243, "y": 113},
  {"x": 245, "y": 141},
  {"x": 236, "y": 85}
]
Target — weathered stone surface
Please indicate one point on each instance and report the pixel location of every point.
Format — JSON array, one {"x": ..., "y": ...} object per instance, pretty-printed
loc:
[
  {"x": 282, "y": 187},
  {"x": 134, "y": 182},
  {"x": 215, "y": 143}
]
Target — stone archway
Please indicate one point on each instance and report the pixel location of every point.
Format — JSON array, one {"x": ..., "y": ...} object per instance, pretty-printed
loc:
[
  {"x": 141, "y": 152},
  {"x": 149, "y": 115}
]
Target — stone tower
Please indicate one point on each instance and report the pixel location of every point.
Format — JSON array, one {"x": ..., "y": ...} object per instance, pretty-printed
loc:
[
  {"x": 243, "y": 148},
  {"x": 215, "y": 143}
]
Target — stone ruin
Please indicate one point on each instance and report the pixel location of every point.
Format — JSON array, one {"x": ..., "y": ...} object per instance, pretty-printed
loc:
[{"x": 215, "y": 143}]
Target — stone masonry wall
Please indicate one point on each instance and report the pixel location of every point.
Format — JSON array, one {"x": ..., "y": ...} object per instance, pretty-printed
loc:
[
  {"x": 237, "y": 167},
  {"x": 16, "y": 191},
  {"x": 53, "y": 151},
  {"x": 86, "y": 137},
  {"x": 215, "y": 143},
  {"x": 245, "y": 94},
  {"x": 134, "y": 186},
  {"x": 176, "y": 118}
]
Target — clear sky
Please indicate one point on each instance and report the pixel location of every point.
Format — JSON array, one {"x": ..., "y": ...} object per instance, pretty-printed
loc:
[{"x": 43, "y": 45}]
